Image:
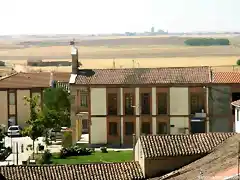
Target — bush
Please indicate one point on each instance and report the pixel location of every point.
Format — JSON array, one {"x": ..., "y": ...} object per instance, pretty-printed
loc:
[
  {"x": 46, "y": 157},
  {"x": 238, "y": 62},
  {"x": 75, "y": 151},
  {"x": 67, "y": 139},
  {"x": 104, "y": 149},
  {"x": 207, "y": 42}
]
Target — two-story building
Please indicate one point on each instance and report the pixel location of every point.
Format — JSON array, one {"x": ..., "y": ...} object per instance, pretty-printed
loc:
[
  {"x": 123, "y": 102},
  {"x": 13, "y": 88},
  {"x": 117, "y": 103}
]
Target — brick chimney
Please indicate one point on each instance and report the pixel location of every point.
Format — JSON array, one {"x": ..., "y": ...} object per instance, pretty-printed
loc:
[{"x": 74, "y": 53}]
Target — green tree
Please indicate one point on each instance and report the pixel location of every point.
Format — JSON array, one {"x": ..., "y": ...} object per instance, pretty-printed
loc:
[
  {"x": 56, "y": 107},
  {"x": 35, "y": 123},
  {"x": 238, "y": 62}
]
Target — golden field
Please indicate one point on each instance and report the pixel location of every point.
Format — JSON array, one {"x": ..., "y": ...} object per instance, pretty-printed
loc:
[{"x": 159, "y": 51}]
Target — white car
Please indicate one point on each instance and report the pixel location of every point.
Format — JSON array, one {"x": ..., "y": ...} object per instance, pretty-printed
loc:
[{"x": 14, "y": 131}]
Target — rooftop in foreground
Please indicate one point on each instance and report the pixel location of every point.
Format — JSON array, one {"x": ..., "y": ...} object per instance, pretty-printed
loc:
[
  {"x": 106, "y": 171},
  {"x": 223, "y": 158}
]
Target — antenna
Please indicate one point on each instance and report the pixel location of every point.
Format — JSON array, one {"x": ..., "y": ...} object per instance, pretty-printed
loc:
[{"x": 114, "y": 64}]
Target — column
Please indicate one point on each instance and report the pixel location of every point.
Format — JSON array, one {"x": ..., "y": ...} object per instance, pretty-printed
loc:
[
  {"x": 73, "y": 116},
  {"x": 154, "y": 109},
  {"x": 137, "y": 110},
  {"x": 121, "y": 113}
]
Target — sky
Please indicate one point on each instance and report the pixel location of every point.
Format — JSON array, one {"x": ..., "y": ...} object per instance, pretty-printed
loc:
[{"x": 117, "y": 16}]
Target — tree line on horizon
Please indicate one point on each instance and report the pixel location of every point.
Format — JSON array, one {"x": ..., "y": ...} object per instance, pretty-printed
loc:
[{"x": 207, "y": 42}]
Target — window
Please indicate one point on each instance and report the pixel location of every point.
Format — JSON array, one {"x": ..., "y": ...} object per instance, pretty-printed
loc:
[
  {"x": 12, "y": 98},
  {"x": 162, "y": 128},
  {"x": 145, "y": 103},
  {"x": 84, "y": 124},
  {"x": 129, "y": 109},
  {"x": 112, "y": 103},
  {"x": 162, "y": 103},
  {"x": 197, "y": 103},
  {"x": 83, "y": 100},
  {"x": 129, "y": 128},
  {"x": 146, "y": 128},
  {"x": 113, "y": 129}
]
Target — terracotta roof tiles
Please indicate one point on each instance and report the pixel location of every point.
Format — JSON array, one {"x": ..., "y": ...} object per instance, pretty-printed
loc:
[
  {"x": 181, "y": 144},
  {"x": 106, "y": 171},
  {"x": 147, "y": 76},
  {"x": 32, "y": 80},
  {"x": 226, "y": 77}
]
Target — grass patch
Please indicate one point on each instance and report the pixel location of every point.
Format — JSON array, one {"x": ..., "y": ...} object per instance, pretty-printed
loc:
[{"x": 96, "y": 157}]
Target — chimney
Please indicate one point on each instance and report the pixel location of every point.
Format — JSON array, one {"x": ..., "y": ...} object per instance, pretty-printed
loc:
[
  {"x": 51, "y": 79},
  {"x": 74, "y": 53}
]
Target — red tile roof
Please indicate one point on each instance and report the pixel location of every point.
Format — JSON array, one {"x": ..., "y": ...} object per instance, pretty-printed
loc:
[
  {"x": 32, "y": 80},
  {"x": 176, "y": 75},
  {"x": 181, "y": 144},
  {"x": 212, "y": 165},
  {"x": 104, "y": 171},
  {"x": 236, "y": 103},
  {"x": 226, "y": 77}
]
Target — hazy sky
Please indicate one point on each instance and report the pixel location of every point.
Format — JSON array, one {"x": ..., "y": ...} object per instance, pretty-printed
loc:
[{"x": 113, "y": 16}]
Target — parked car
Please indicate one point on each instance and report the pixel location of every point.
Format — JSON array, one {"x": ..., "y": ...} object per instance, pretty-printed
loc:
[{"x": 14, "y": 131}]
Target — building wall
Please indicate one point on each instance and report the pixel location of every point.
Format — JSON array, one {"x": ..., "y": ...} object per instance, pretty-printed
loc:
[
  {"x": 98, "y": 105},
  {"x": 237, "y": 120},
  {"x": 99, "y": 130},
  {"x": 23, "y": 108},
  {"x": 179, "y": 125},
  {"x": 177, "y": 117},
  {"x": 179, "y": 101},
  {"x": 179, "y": 110},
  {"x": 4, "y": 108},
  {"x": 139, "y": 156},
  {"x": 220, "y": 109}
]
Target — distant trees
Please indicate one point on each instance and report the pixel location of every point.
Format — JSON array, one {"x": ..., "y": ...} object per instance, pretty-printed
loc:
[
  {"x": 207, "y": 42},
  {"x": 2, "y": 63}
]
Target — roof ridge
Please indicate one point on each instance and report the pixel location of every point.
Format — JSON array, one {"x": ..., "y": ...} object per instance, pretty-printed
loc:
[
  {"x": 53, "y": 165},
  {"x": 180, "y": 67},
  {"x": 8, "y": 76}
]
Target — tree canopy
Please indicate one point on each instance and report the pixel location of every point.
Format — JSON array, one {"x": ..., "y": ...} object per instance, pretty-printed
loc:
[
  {"x": 56, "y": 110},
  {"x": 207, "y": 42}
]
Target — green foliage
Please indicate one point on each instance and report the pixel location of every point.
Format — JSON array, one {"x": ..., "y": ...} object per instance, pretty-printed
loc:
[
  {"x": 207, "y": 42},
  {"x": 104, "y": 149},
  {"x": 56, "y": 109},
  {"x": 67, "y": 139},
  {"x": 46, "y": 157},
  {"x": 238, "y": 62},
  {"x": 35, "y": 126},
  {"x": 75, "y": 151}
]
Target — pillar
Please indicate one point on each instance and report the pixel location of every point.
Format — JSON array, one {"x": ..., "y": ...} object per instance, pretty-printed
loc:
[
  {"x": 121, "y": 113},
  {"x": 137, "y": 110}
]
